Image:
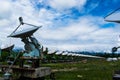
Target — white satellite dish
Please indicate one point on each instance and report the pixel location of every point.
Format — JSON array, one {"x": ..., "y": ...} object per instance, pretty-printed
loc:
[
  {"x": 114, "y": 16},
  {"x": 25, "y": 33}
]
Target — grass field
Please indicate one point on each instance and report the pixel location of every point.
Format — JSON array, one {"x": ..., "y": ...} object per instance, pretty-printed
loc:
[{"x": 90, "y": 70}]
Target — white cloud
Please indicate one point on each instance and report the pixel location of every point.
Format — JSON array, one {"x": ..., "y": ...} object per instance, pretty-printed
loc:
[
  {"x": 47, "y": 14},
  {"x": 92, "y": 5},
  {"x": 5, "y": 10},
  {"x": 87, "y": 33},
  {"x": 80, "y": 27},
  {"x": 62, "y": 5}
]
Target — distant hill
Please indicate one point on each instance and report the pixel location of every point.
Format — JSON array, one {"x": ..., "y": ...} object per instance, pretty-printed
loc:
[{"x": 17, "y": 49}]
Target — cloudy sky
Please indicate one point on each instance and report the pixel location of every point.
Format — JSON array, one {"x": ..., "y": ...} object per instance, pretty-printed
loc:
[{"x": 66, "y": 24}]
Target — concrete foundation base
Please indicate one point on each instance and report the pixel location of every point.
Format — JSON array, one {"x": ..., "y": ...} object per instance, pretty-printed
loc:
[{"x": 32, "y": 72}]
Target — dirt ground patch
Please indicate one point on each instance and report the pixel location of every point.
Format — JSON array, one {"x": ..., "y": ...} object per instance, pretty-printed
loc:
[{"x": 65, "y": 69}]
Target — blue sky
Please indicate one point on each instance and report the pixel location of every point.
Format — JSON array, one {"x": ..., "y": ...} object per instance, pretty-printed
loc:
[{"x": 67, "y": 24}]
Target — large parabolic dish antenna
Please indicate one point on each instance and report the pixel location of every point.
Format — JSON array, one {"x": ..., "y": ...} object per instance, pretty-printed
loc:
[
  {"x": 114, "y": 16},
  {"x": 25, "y": 33}
]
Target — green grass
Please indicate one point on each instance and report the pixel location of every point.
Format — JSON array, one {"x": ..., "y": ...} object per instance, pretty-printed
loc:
[{"x": 92, "y": 70}]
